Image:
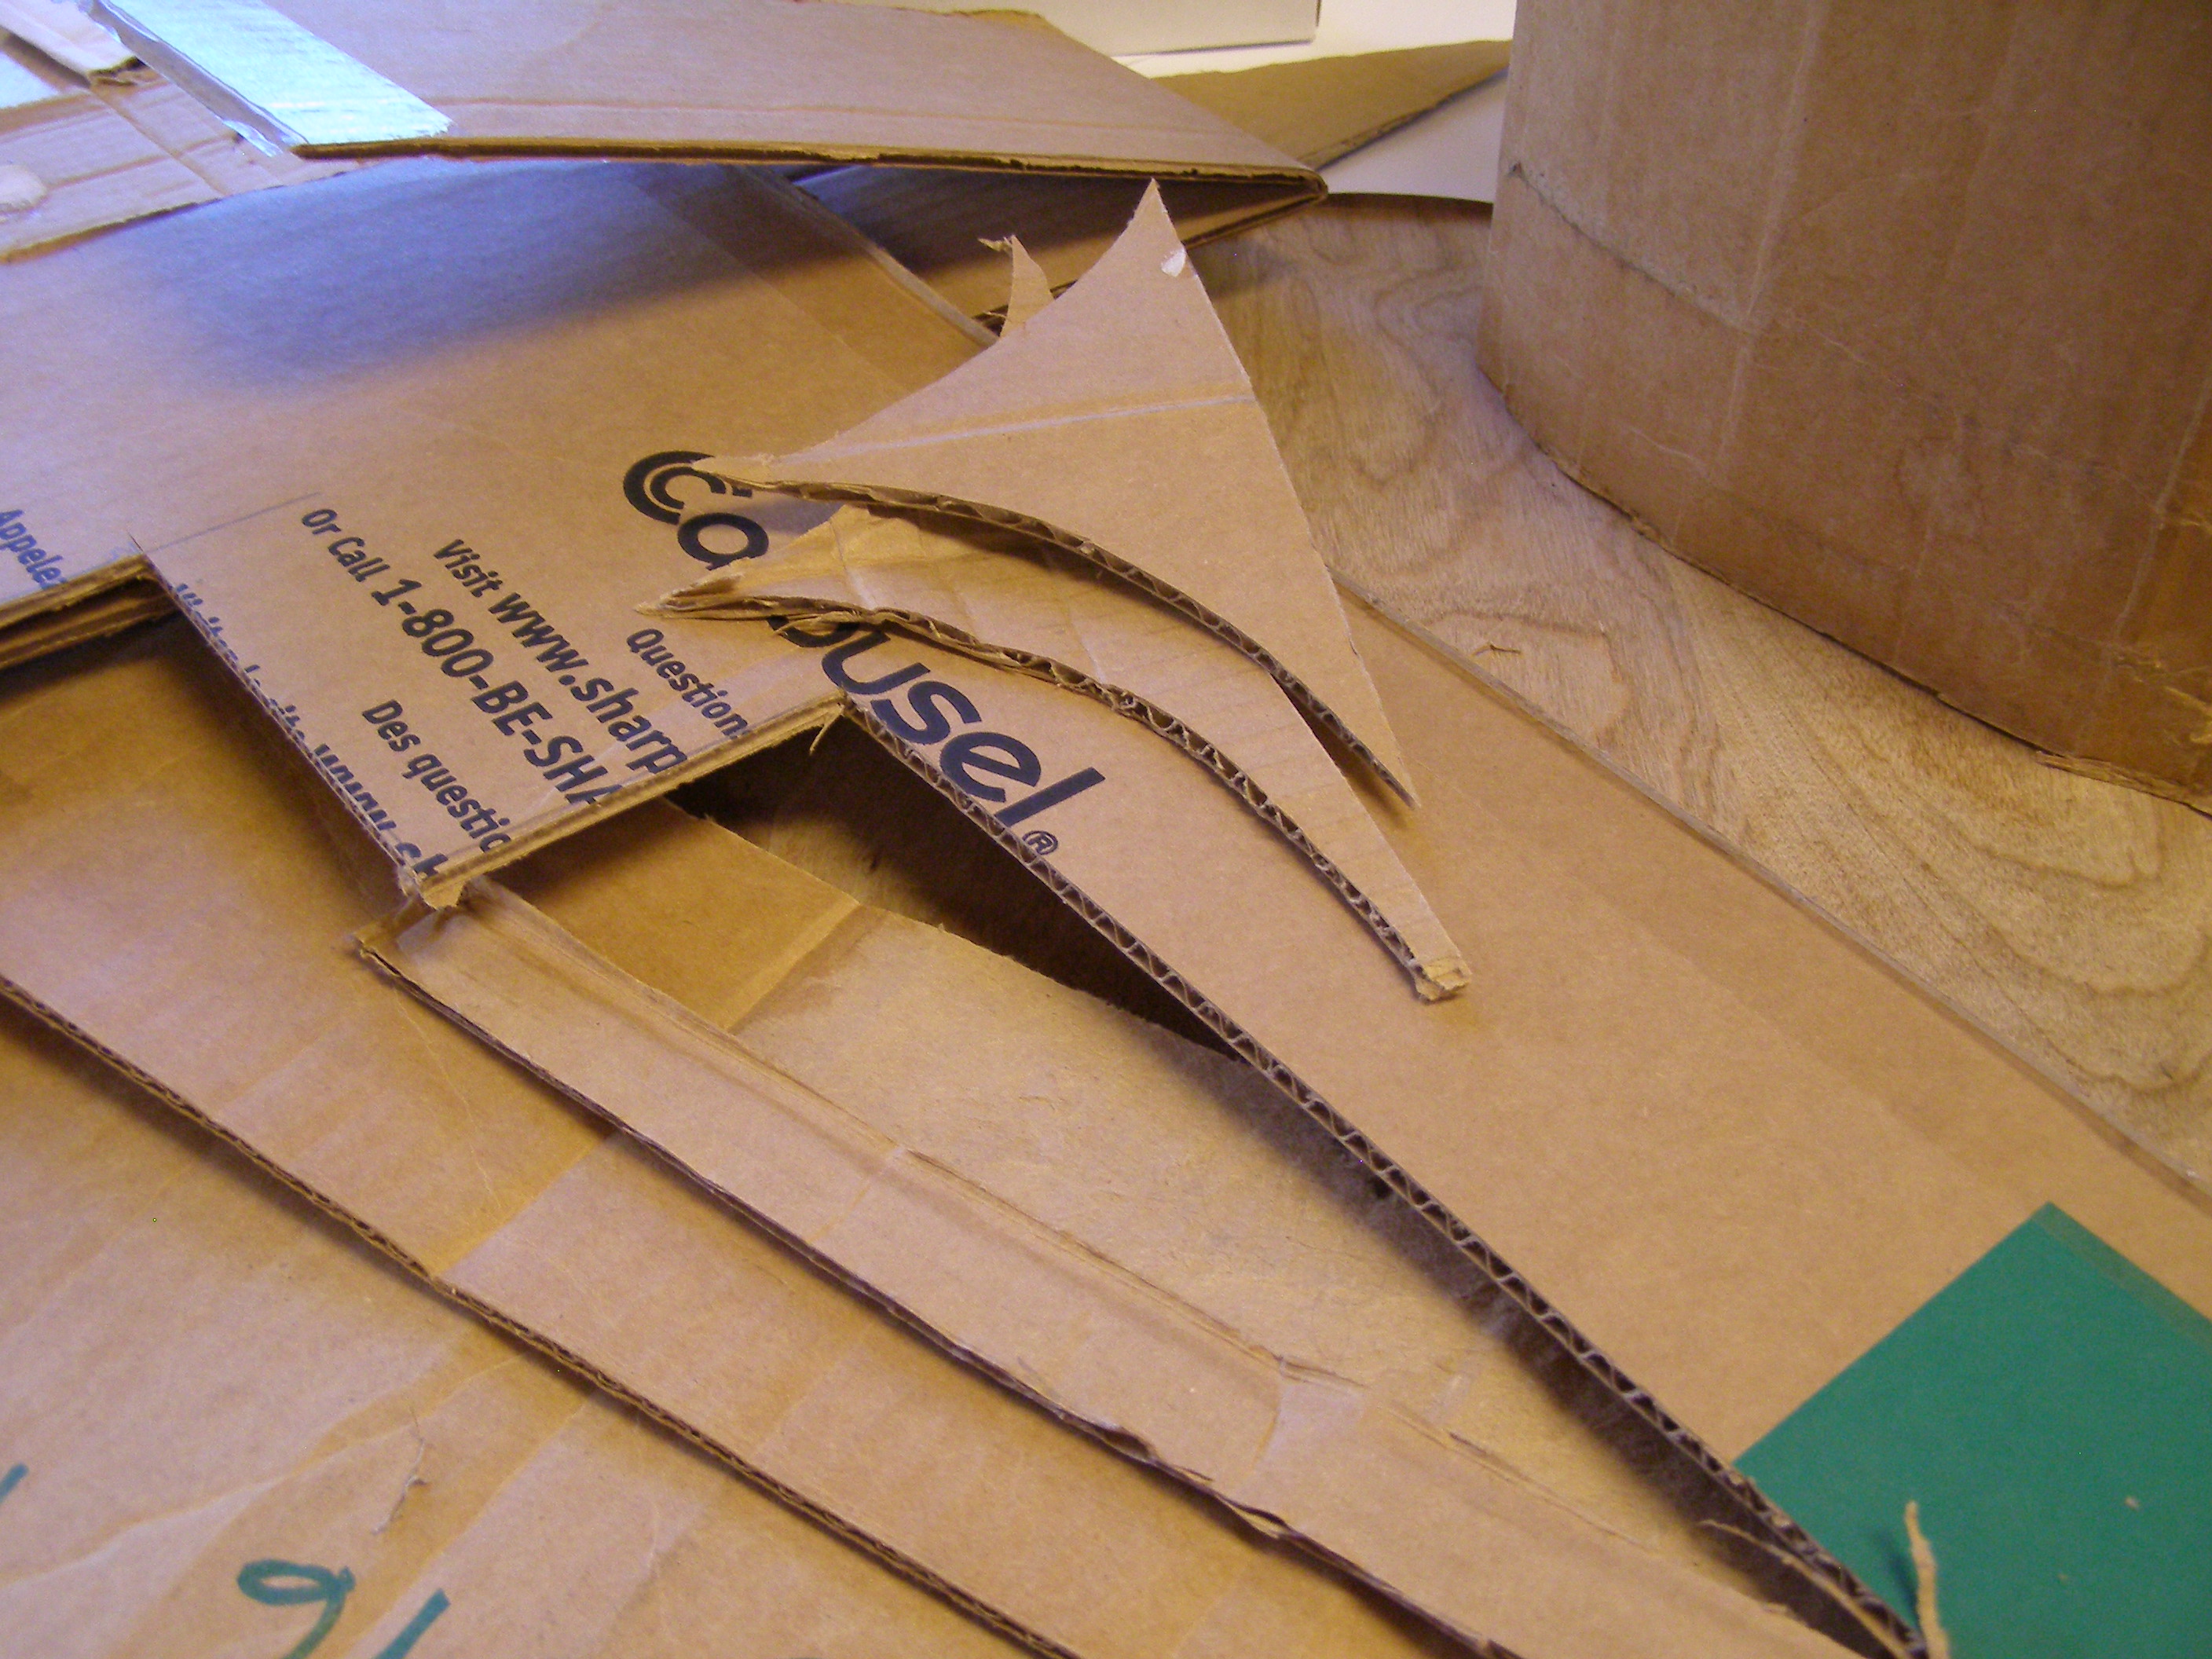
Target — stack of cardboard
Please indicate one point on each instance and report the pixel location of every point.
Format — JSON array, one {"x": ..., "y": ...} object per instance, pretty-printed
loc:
[{"x": 928, "y": 1044}]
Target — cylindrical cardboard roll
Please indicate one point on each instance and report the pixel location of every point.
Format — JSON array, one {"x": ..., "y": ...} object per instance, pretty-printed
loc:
[{"x": 1899, "y": 318}]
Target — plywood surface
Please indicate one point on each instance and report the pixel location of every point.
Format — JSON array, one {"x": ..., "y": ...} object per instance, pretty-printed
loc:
[{"x": 2072, "y": 918}]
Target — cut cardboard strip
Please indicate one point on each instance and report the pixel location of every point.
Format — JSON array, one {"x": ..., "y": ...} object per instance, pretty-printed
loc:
[
  {"x": 1006, "y": 600},
  {"x": 1118, "y": 424},
  {"x": 223, "y": 1418},
  {"x": 179, "y": 893},
  {"x": 756, "y": 80},
  {"x": 1449, "y": 1529}
]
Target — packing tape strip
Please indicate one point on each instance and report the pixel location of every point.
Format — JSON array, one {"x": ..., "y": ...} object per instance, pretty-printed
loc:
[{"x": 253, "y": 64}]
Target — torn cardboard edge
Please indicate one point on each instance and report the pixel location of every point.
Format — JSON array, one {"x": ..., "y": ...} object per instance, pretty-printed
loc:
[
  {"x": 522, "y": 983},
  {"x": 573, "y": 1363},
  {"x": 1395, "y": 908},
  {"x": 45, "y": 596},
  {"x": 1029, "y": 290},
  {"x": 960, "y": 448}
]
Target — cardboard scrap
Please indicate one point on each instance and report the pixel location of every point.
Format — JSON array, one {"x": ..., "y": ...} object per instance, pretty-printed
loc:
[
  {"x": 1320, "y": 108},
  {"x": 1007, "y": 600},
  {"x": 1117, "y": 423},
  {"x": 226, "y": 1422},
  {"x": 181, "y": 895},
  {"x": 875, "y": 1180},
  {"x": 1140, "y": 25},
  {"x": 760, "y": 81},
  {"x": 1029, "y": 290}
]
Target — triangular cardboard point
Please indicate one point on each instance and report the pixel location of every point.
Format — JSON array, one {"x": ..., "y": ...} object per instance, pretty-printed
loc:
[
  {"x": 1119, "y": 424},
  {"x": 1029, "y": 290}
]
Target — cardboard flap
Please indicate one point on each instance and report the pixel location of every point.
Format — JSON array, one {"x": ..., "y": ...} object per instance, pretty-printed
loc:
[
  {"x": 756, "y": 80},
  {"x": 495, "y": 366},
  {"x": 1006, "y": 599},
  {"x": 1119, "y": 424}
]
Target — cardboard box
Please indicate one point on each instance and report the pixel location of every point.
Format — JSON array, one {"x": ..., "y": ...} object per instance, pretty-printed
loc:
[
  {"x": 1897, "y": 326},
  {"x": 227, "y": 1421}
]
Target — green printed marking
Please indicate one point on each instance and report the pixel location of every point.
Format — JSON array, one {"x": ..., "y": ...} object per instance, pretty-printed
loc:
[
  {"x": 425, "y": 1616},
  {"x": 2051, "y": 1411},
  {"x": 12, "y": 1479},
  {"x": 292, "y": 1583}
]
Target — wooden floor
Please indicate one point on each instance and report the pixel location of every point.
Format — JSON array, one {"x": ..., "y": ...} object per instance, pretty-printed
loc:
[{"x": 2071, "y": 918}]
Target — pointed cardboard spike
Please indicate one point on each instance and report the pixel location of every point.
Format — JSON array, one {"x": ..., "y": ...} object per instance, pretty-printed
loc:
[
  {"x": 1007, "y": 601},
  {"x": 1119, "y": 424},
  {"x": 1029, "y": 290}
]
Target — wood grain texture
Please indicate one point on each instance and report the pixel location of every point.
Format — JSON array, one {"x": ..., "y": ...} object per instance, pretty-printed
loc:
[{"x": 2071, "y": 918}]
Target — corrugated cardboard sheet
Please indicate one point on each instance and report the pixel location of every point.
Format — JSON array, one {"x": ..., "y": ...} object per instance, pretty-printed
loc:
[
  {"x": 229, "y": 1423},
  {"x": 1899, "y": 322},
  {"x": 183, "y": 899}
]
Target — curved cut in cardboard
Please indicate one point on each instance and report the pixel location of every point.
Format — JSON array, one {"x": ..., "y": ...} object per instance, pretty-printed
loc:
[
  {"x": 1117, "y": 423},
  {"x": 1001, "y": 599}
]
